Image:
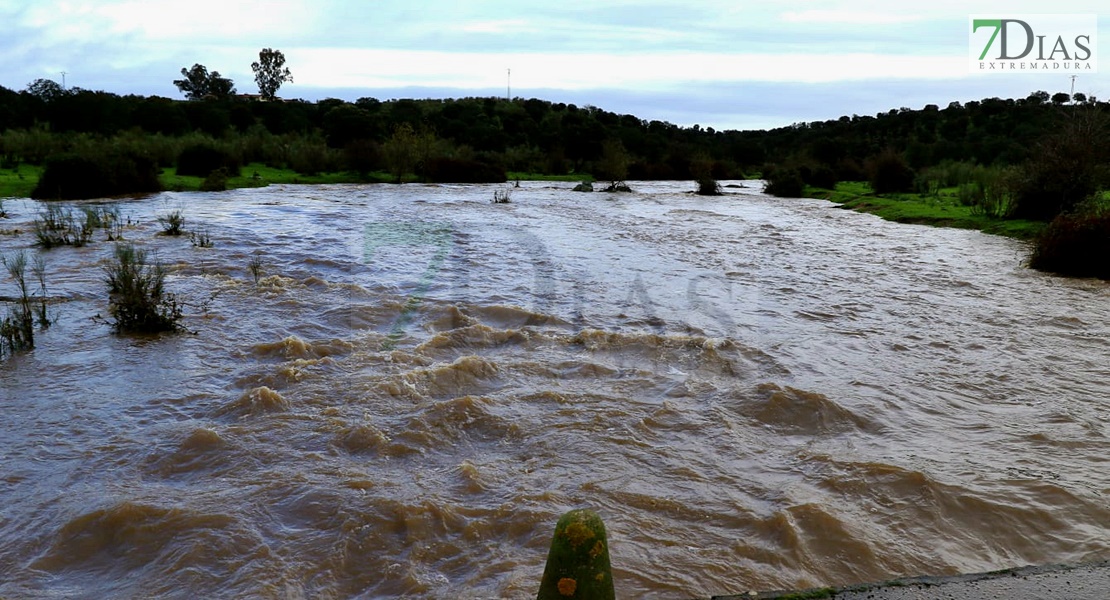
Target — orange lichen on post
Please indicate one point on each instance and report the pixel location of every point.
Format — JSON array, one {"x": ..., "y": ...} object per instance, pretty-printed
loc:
[{"x": 578, "y": 562}]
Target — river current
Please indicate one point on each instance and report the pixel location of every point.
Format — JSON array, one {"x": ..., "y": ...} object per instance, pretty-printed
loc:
[{"x": 753, "y": 392}]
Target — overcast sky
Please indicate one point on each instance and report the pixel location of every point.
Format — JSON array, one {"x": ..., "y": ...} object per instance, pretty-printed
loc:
[{"x": 728, "y": 64}]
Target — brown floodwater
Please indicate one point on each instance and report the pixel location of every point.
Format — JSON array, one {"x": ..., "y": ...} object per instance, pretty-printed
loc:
[{"x": 753, "y": 393}]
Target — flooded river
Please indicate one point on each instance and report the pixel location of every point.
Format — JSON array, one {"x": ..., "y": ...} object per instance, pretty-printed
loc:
[{"x": 754, "y": 393}]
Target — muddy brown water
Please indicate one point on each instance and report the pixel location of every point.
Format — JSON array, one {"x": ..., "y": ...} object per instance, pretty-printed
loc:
[{"x": 754, "y": 393}]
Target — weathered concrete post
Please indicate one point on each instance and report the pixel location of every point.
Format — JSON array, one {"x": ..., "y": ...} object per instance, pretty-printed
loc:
[{"x": 578, "y": 563}]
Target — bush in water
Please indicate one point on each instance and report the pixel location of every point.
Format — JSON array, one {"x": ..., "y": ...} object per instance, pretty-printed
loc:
[{"x": 138, "y": 301}]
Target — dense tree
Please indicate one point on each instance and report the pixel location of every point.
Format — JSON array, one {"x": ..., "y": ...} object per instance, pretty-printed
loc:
[
  {"x": 270, "y": 72},
  {"x": 400, "y": 151},
  {"x": 613, "y": 164},
  {"x": 198, "y": 83},
  {"x": 45, "y": 89}
]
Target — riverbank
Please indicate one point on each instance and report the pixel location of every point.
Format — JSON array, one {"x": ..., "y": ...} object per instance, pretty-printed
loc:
[
  {"x": 20, "y": 181},
  {"x": 942, "y": 209},
  {"x": 1050, "y": 582}
]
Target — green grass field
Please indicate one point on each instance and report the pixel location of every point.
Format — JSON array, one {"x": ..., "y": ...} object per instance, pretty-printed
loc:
[
  {"x": 941, "y": 210},
  {"x": 574, "y": 178},
  {"x": 260, "y": 175},
  {"x": 18, "y": 182}
]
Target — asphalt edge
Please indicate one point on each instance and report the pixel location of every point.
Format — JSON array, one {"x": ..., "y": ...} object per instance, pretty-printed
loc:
[{"x": 924, "y": 581}]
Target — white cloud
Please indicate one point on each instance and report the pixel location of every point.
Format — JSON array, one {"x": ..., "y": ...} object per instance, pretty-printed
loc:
[
  {"x": 497, "y": 26},
  {"x": 345, "y": 67},
  {"x": 849, "y": 17}
]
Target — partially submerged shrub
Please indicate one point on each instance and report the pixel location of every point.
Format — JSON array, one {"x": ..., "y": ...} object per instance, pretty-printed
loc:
[
  {"x": 173, "y": 223},
  {"x": 200, "y": 239},
  {"x": 17, "y": 329},
  {"x": 501, "y": 196},
  {"x": 708, "y": 187},
  {"x": 57, "y": 226},
  {"x": 584, "y": 186},
  {"x": 138, "y": 301},
  {"x": 255, "y": 267}
]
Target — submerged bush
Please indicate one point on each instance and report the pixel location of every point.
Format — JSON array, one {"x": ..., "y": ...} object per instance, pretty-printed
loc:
[
  {"x": 96, "y": 175},
  {"x": 17, "y": 329},
  {"x": 138, "y": 301},
  {"x": 57, "y": 226},
  {"x": 1076, "y": 244}
]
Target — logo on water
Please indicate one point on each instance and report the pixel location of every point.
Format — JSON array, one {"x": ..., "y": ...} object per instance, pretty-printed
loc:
[
  {"x": 1033, "y": 44},
  {"x": 411, "y": 234}
]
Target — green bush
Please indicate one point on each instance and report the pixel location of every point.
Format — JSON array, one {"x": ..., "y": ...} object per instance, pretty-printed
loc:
[
  {"x": 56, "y": 226},
  {"x": 173, "y": 223},
  {"x": 888, "y": 173},
  {"x": 1066, "y": 168},
  {"x": 96, "y": 175},
  {"x": 215, "y": 182},
  {"x": 17, "y": 330}
]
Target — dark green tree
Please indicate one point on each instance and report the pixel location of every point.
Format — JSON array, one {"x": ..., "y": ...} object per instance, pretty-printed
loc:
[
  {"x": 199, "y": 83},
  {"x": 45, "y": 89},
  {"x": 270, "y": 72}
]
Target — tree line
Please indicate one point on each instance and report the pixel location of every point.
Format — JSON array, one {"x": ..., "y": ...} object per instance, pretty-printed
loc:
[{"x": 539, "y": 136}]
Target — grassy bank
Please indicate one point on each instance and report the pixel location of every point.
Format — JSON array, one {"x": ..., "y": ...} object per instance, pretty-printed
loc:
[
  {"x": 260, "y": 175},
  {"x": 942, "y": 209},
  {"x": 572, "y": 178},
  {"x": 18, "y": 182}
]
